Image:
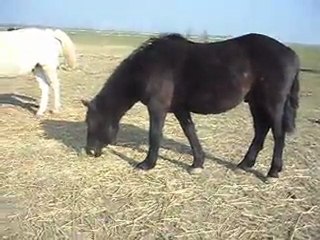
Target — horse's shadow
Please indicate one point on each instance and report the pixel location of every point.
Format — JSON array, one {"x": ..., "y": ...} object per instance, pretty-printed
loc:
[
  {"x": 22, "y": 101},
  {"x": 72, "y": 135}
]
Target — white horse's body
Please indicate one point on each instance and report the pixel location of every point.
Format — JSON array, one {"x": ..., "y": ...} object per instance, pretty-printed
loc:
[{"x": 36, "y": 50}]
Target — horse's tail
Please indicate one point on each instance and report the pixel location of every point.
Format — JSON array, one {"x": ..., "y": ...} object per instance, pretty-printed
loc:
[
  {"x": 291, "y": 106},
  {"x": 68, "y": 47}
]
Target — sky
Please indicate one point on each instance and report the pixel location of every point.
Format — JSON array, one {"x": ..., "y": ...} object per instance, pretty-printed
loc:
[{"x": 287, "y": 20}]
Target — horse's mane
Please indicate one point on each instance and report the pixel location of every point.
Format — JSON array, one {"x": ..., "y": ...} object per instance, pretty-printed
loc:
[
  {"x": 151, "y": 42},
  {"x": 148, "y": 45},
  {"x": 139, "y": 53}
]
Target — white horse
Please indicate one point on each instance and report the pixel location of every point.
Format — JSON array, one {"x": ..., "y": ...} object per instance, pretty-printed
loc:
[{"x": 36, "y": 50}]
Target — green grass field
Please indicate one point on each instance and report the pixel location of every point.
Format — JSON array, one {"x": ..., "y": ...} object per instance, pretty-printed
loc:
[{"x": 48, "y": 190}]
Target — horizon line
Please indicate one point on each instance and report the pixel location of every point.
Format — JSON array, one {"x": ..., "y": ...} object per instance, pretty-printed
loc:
[{"x": 135, "y": 31}]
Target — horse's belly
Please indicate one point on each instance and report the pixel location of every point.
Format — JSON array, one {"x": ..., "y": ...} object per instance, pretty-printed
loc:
[
  {"x": 214, "y": 104},
  {"x": 14, "y": 64},
  {"x": 8, "y": 69}
]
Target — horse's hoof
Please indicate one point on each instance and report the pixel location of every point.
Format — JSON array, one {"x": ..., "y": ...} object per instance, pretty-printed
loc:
[
  {"x": 272, "y": 176},
  {"x": 39, "y": 115},
  {"x": 195, "y": 171},
  {"x": 245, "y": 165},
  {"x": 271, "y": 180},
  {"x": 144, "y": 166},
  {"x": 54, "y": 111},
  {"x": 239, "y": 170}
]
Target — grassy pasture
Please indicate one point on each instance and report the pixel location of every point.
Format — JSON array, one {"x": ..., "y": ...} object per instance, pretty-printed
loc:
[{"x": 48, "y": 190}]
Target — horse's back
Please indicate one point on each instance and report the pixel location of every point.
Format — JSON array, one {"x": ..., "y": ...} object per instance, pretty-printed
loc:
[{"x": 22, "y": 49}]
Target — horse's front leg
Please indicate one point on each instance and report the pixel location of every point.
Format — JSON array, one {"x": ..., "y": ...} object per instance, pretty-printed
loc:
[
  {"x": 44, "y": 86},
  {"x": 189, "y": 130},
  {"x": 157, "y": 116}
]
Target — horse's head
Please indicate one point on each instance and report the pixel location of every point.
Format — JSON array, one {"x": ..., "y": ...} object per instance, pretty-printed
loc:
[{"x": 102, "y": 128}]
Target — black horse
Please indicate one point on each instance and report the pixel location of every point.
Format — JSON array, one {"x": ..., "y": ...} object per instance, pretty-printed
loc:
[
  {"x": 13, "y": 28},
  {"x": 172, "y": 74}
]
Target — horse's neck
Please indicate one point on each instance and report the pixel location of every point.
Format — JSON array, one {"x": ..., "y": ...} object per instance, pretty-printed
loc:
[{"x": 114, "y": 100}]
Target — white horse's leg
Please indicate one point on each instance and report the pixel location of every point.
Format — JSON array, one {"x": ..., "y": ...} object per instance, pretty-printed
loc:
[
  {"x": 55, "y": 83},
  {"x": 44, "y": 86}
]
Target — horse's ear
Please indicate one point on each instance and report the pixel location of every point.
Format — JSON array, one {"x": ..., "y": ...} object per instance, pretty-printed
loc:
[{"x": 85, "y": 102}]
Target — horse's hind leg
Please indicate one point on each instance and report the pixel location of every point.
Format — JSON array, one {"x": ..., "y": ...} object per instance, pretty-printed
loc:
[
  {"x": 53, "y": 77},
  {"x": 261, "y": 123},
  {"x": 44, "y": 86},
  {"x": 279, "y": 142},
  {"x": 263, "y": 120}
]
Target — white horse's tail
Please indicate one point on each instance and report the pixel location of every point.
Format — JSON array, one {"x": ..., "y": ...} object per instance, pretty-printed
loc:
[{"x": 68, "y": 47}]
